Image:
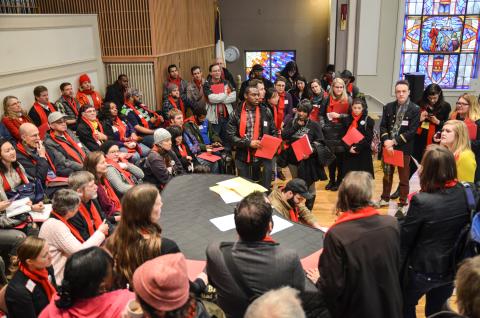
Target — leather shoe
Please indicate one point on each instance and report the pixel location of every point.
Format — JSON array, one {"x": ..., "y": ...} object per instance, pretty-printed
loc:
[
  {"x": 395, "y": 195},
  {"x": 329, "y": 185}
]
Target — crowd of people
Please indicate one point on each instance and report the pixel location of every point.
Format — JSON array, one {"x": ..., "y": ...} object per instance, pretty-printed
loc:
[{"x": 102, "y": 162}]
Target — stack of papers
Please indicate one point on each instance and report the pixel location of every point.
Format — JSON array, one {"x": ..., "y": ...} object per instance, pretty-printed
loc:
[
  {"x": 20, "y": 206},
  {"x": 235, "y": 189}
]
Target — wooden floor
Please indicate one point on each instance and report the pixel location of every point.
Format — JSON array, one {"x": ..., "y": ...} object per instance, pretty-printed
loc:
[{"x": 325, "y": 205}]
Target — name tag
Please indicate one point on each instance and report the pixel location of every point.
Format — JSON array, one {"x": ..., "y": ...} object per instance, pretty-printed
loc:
[
  {"x": 285, "y": 102},
  {"x": 30, "y": 285},
  {"x": 265, "y": 124},
  {"x": 404, "y": 122}
]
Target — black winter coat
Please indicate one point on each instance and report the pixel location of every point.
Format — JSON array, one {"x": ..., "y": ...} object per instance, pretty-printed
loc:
[
  {"x": 267, "y": 127},
  {"x": 333, "y": 131},
  {"x": 359, "y": 268}
]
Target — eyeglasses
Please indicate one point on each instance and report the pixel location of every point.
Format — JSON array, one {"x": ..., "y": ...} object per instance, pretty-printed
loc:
[
  {"x": 60, "y": 121},
  {"x": 16, "y": 103},
  {"x": 462, "y": 104}
]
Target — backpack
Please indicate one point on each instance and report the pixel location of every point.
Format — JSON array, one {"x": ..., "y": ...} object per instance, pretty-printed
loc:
[{"x": 468, "y": 242}]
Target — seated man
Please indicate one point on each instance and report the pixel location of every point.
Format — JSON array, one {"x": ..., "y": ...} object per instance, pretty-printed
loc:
[
  {"x": 86, "y": 94},
  {"x": 174, "y": 78},
  {"x": 90, "y": 215},
  {"x": 199, "y": 127},
  {"x": 256, "y": 259},
  {"x": 144, "y": 120},
  {"x": 42, "y": 106},
  {"x": 68, "y": 105},
  {"x": 289, "y": 202},
  {"x": 117, "y": 91},
  {"x": 63, "y": 147}
]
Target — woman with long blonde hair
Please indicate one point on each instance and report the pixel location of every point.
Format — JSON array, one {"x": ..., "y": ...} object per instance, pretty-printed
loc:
[
  {"x": 14, "y": 116},
  {"x": 455, "y": 138},
  {"x": 137, "y": 237},
  {"x": 334, "y": 107}
]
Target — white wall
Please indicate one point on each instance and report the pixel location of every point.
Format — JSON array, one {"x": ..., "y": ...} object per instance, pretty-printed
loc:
[{"x": 48, "y": 50}]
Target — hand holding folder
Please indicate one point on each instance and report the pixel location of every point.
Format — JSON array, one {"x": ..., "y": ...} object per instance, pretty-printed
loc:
[
  {"x": 394, "y": 158},
  {"x": 268, "y": 147},
  {"x": 302, "y": 148},
  {"x": 352, "y": 136}
]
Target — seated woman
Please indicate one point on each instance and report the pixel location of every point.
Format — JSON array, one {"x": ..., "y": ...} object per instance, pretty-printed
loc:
[
  {"x": 154, "y": 282},
  {"x": 183, "y": 153},
  {"x": 121, "y": 174},
  {"x": 141, "y": 209},
  {"x": 162, "y": 164},
  {"x": 15, "y": 178},
  {"x": 89, "y": 129},
  {"x": 14, "y": 116},
  {"x": 122, "y": 132},
  {"x": 430, "y": 231},
  {"x": 96, "y": 164},
  {"x": 62, "y": 237},
  {"x": 455, "y": 137},
  {"x": 358, "y": 156},
  {"x": 299, "y": 92},
  {"x": 86, "y": 288},
  {"x": 352, "y": 276},
  {"x": 467, "y": 283},
  {"x": 32, "y": 264}
]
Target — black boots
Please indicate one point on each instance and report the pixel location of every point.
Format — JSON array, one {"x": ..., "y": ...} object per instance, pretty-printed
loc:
[{"x": 309, "y": 203}]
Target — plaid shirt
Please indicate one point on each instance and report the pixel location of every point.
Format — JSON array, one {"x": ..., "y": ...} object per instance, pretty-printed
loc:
[{"x": 250, "y": 122}]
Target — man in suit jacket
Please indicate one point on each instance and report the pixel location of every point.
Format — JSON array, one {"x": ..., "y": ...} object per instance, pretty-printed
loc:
[
  {"x": 261, "y": 262},
  {"x": 400, "y": 121}
]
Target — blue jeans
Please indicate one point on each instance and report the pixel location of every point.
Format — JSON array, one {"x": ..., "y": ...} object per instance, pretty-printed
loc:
[
  {"x": 214, "y": 168},
  {"x": 437, "y": 290},
  {"x": 221, "y": 130}
]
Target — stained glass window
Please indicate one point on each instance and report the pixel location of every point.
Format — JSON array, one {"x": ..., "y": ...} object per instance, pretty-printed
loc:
[
  {"x": 441, "y": 40},
  {"x": 272, "y": 61}
]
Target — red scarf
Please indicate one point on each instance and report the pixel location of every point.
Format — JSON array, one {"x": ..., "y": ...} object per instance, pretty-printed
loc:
[
  {"x": 121, "y": 127},
  {"x": 83, "y": 99},
  {"x": 183, "y": 150},
  {"x": 72, "y": 229},
  {"x": 112, "y": 195},
  {"x": 78, "y": 155},
  {"x": 41, "y": 111},
  {"x": 6, "y": 185},
  {"x": 431, "y": 129},
  {"x": 93, "y": 220},
  {"x": 268, "y": 239},
  {"x": 359, "y": 214},
  {"x": 39, "y": 276},
  {"x": 243, "y": 125},
  {"x": 280, "y": 110},
  {"x": 354, "y": 123},
  {"x": 467, "y": 122},
  {"x": 350, "y": 88},
  {"x": 72, "y": 103},
  {"x": 177, "y": 81},
  {"x": 174, "y": 104},
  {"x": 21, "y": 148},
  {"x": 143, "y": 120},
  {"x": 294, "y": 214},
  {"x": 100, "y": 128},
  {"x": 337, "y": 106},
  {"x": 198, "y": 84},
  {"x": 124, "y": 172}
]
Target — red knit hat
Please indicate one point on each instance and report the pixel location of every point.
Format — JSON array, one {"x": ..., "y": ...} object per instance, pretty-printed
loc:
[
  {"x": 84, "y": 78},
  {"x": 163, "y": 282}
]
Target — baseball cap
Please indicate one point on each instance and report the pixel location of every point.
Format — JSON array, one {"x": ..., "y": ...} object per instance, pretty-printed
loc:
[
  {"x": 53, "y": 117},
  {"x": 298, "y": 186}
]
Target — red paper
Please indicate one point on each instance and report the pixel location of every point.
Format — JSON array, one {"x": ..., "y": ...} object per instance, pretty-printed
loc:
[
  {"x": 302, "y": 148},
  {"x": 218, "y": 88},
  {"x": 311, "y": 261},
  {"x": 268, "y": 147},
  {"x": 194, "y": 268},
  {"x": 472, "y": 130},
  {"x": 352, "y": 136},
  {"x": 395, "y": 159},
  {"x": 217, "y": 149},
  {"x": 209, "y": 157}
]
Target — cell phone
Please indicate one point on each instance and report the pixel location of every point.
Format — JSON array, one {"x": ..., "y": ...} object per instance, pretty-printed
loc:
[{"x": 438, "y": 135}]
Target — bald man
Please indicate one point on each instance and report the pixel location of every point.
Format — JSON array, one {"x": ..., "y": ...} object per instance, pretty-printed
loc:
[
  {"x": 31, "y": 153},
  {"x": 226, "y": 75}
]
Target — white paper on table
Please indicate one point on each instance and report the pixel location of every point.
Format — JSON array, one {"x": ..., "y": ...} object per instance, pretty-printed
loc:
[
  {"x": 43, "y": 215},
  {"x": 18, "y": 207},
  {"x": 279, "y": 224},
  {"x": 227, "y": 195},
  {"x": 224, "y": 223}
]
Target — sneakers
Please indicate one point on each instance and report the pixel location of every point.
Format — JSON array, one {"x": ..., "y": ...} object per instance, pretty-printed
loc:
[
  {"x": 395, "y": 195},
  {"x": 401, "y": 211},
  {"x": 381, "y": 204}
]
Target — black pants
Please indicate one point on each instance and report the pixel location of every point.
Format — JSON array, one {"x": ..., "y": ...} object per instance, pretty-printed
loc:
[
  {"x": 436, "y": 289},
  {"x": 335, "y": 169}
]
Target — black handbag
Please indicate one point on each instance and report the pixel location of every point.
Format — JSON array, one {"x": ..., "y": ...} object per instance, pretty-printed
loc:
[
  {"x": 324, "y": 155},
  {"x": 32, "y": 190}
]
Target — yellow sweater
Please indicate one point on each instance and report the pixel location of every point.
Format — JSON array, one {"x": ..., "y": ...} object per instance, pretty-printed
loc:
[{"x": 466, "y": 166}]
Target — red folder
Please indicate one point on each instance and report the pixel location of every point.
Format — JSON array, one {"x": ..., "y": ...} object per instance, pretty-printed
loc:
[
  {"x": 217, "y": 149},
  {"x": 472, "y": 130},
  {"x": 268, "y": 147},
  {"x": 302, "y": 147},
  {"x": 395, "y": 159},
  {"x": 209, "y": 157},
  {"x": 218, "y": 88},
  {"x": 352, "y": 136}
]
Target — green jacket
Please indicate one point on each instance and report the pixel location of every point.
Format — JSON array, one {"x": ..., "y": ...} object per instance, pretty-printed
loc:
[{"x": 192, "y": 128}]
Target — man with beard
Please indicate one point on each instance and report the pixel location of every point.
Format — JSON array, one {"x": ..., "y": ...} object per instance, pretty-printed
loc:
[
  {"x": 289, "y": 201},
  {"x": 195, "y": 88},
  {"x": 117, "y": 91}
]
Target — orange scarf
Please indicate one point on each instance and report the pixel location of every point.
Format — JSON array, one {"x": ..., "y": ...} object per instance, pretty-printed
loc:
[
  {"x": 121, "y": 127},
  {"x": 174, "y": 104},
  {"x": 39, "y": 276},
  {"x": 337, "y": 105},
  {"x": 41, "y": 111},
  {"x": 100, "y": 128},
  {"x": 359, "y": 214},
  {"x": 243, "y": 126},
  {"x": 183, "y": 150},
  {"x": 72, "y": 103},
  {"x": 77, "y": 156},
  {"x": 92, "y": 218},
  {"x": 72, "y": 229},
  {"x": 83, "y": 99},
  {"x": 294, "y": 214},
  {"x": 112, "y": 195}
]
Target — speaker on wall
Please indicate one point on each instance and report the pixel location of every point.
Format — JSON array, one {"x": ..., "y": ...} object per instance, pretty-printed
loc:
[{"x": 416, "y": 81}]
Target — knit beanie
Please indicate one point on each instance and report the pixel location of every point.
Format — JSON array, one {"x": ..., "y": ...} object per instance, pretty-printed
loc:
[
  {"x": 163, "y": 282},
  {"x": 160, "y": 135},
  {"x": 84, "y": 78}
]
